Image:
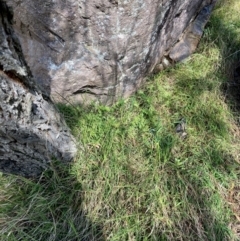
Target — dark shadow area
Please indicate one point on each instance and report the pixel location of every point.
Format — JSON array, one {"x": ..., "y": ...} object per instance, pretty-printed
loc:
[
  {"x": 71, "y": 114},
  {"x": 227, "y": 39},
  {"x": 231, "y": 88},
  {"x": 49, "y": 209}
]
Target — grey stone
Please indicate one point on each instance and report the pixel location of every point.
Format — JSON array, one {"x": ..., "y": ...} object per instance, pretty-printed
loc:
[
  {"x": 32, "y": 132},
  {"x": 102, "y": 50},
  {"x": 191, "y": 37}
]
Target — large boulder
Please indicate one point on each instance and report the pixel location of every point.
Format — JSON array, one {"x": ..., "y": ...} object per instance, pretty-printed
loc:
[
  {"x": 85, "y": 50},
  {"x": 32, "y": 132}
]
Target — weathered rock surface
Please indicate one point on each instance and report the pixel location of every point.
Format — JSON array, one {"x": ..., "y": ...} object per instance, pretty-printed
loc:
[
  {"x": 32, "y": 131},
  {"x": 84, "y": 50}
]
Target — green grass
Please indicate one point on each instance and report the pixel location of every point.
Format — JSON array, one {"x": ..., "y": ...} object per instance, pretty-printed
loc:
[{"x": 134, "y": 178}]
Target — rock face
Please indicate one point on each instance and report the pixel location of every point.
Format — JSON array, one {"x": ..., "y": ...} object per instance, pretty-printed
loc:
[
  {"x": 84, "y": 50},
  {"x": 32, "y": 132}
]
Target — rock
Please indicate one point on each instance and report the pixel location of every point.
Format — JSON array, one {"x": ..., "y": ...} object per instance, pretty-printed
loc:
[
  {"x": 85, "y": 50},
  {"x": 32, "y": 131},
  {"x": 181, "y": 127},
  {"x": 191, "y": 37}
]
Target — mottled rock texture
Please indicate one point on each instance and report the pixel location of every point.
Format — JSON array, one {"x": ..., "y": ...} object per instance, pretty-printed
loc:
[
  {"x": 32, "y": 131},
  {"x": 84, "y": 50}
]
